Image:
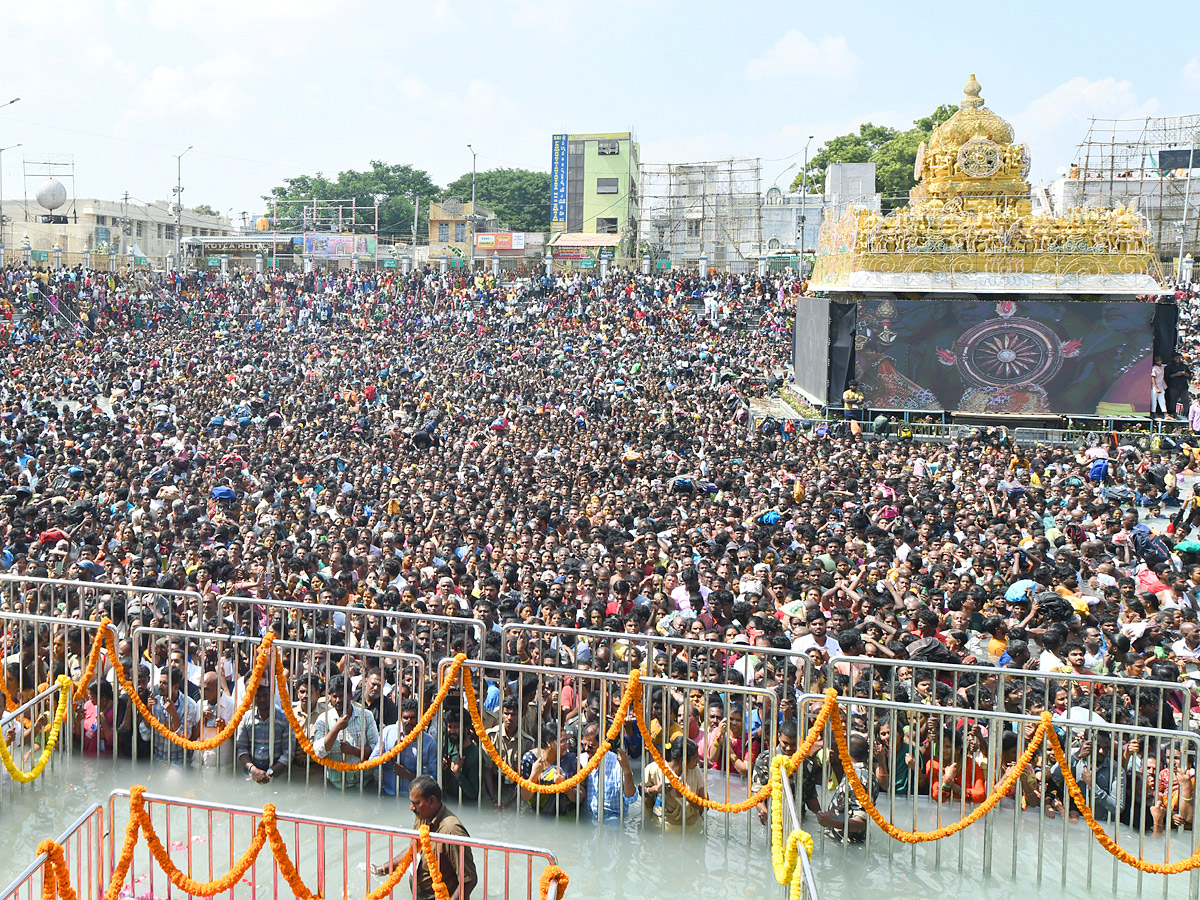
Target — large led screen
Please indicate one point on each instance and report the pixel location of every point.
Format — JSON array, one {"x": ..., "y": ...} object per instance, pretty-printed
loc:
[
  {"x": 1006, "y": 356},
  {"x": 810, "y": 347}
]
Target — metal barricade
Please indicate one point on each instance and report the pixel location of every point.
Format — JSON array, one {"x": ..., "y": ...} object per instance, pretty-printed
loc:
[
  {"x": 991, "y": 687},
  {"x": 310, "y": 668},
  {"x": 67, "y": 596},
  {"x": 42, "y": 647},
  {"x": 83, "y": 848},
  {"x": 334, "y": 858},
  {"x": 431, "y": 636},
  {"x": 931, "y": 765},
  {"x": 663, "y": 656},
  {"x": 573, "y": 703}
]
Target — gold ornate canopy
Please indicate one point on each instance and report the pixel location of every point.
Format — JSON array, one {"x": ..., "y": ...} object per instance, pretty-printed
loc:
[{"x": 969, "y": 226}]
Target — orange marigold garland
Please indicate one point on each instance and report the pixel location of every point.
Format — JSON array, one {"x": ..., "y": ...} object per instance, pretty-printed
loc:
[
  {"x": 629, "y": 697},
  {"x": 1105, "y": 840},
  {"x": 93, "y": 660},
  {"x": 759, "y": 796},
  {"x": 431, "y": 860},
  {"x": 552, "y": 874},
  {"x": 176, "y": 875},
  {"x": 56, "y": 876},
  {"x": 255, "y": 677},
  {"x": 919, "y": 837},
  {"x": 339, "y": 766}
]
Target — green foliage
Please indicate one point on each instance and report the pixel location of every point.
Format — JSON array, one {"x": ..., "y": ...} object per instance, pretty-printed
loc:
[
  {"x": 205, "y": 210},
  {"x": 893, "y": 152},
  {"x": 393, "y": 187},
  {"x": 520, "y": 198}
]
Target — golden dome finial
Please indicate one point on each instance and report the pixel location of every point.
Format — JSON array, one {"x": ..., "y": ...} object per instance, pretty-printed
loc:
[{"x": 971, "y": 98}]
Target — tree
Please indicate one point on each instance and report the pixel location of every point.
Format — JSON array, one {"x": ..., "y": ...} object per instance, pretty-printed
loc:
[
  {"x": 394, "y": 187},
  {"x": 893, "y": 152},
  {"x": 205, "y": 210},
  {"x": 520, "y": 198}
]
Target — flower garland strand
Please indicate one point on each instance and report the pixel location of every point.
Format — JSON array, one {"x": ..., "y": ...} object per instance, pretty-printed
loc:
[
  {"x": 56, "y": 875},
  {"x": 552, "y": 874},
  {"x": 211, "y": 743},
  {"x": 629, "y": 697},
  {"x": 431, "y": 860},
  {"x": 93, "y": 660},
  {"x": 176, "y": 875},
  {"x": 339, "y": 766},
  {"x": 785, "y": 855},
  {"x": 920, "y": 837},
  {"x": 763, "y": 793},
  {"x": 1103, "y": 837},
  {"x": 65, "y": 687}
]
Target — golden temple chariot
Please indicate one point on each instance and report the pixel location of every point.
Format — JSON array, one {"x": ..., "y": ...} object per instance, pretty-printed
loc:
[{"x": 969, "y": 226}]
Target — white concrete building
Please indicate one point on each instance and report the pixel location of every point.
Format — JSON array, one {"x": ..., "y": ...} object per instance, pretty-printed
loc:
[{"x": 148, "y": 230}]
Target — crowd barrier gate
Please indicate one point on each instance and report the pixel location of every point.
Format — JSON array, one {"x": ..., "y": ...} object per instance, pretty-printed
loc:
[{"x": 975, "y": 739}]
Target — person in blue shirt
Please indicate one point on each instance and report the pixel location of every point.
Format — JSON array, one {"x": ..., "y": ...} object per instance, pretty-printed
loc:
[
  {"x": 396, "y": 776},
  {"x": 551, "y": 763},
  {"x": 610, "y": 788}
]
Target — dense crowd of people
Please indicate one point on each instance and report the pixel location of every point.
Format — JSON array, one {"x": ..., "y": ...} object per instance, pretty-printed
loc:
[{"x": 577, "y": 453}]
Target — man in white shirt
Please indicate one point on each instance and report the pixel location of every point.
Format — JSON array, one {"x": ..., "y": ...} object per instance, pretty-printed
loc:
[
  {"x": 817, "y": 637},
  {"x": 217, "y": 710}
]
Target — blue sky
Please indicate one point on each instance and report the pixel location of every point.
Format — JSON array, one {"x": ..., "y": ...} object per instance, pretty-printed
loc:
[{"x": 266, "y": 89}]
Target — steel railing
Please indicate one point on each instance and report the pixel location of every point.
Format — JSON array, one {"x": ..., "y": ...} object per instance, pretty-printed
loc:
[
  {"x": 310, "y": 666},
  {"x": 444, "y": 638},
  {"x": 64, "y": 590},
  {"x": 667, "y": 702},
  {"x": 83, "y": 848},
  {"x": 334, "y": 858},
  {"x": 888, "y": 677},
  {"x": 910, "y": 748}
]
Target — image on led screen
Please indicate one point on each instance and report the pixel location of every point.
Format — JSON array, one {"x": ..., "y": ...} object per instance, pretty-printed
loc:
[{"x": 1006, "y": 356}]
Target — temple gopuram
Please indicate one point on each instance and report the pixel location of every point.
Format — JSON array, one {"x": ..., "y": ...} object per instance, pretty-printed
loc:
[{"x": 965, "y": 302}]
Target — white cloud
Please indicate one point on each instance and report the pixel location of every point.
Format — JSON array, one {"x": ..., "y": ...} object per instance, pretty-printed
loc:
[
  {"x": 1191, "y": 73},
  {"x": 795, "y": 55},
  {"x": 1057, "y": 122}
]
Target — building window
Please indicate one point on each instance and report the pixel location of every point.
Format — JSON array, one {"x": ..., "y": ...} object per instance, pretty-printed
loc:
[
  {"x": 693, "y": 228},
  {"x": 139, "y": 229},
  {"x": 160, "y": 230},
  {"x": 773, "y": 244},
  {"x": 460, "y": 232},
  {"x": 443, "y": 232},
  {"x": 606, "y": 226},
  {"x": 608, "y": 148},
  {"x": 170, "y": 232},
  {"x": 607, "y": 185}
]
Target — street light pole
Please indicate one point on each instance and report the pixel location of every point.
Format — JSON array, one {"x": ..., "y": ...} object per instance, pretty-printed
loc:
[
  {"x": 2, "y": 149},
  {"x": 803, "y": 209},
  {"x": 473, "y": 217},
  {"x": 179, "y": 207},
  {"x": 1187, "y": 200}
]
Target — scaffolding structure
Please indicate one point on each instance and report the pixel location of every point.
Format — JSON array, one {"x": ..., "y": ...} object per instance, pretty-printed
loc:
[
  {"x": 1120, "y": 161},
  {"x": 702, "y": 210}
]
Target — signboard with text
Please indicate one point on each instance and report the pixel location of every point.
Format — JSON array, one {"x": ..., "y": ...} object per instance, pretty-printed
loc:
[
  {"x": 339, "y": 246},
  {"x": 558, "y": 184},
  {"x": 500, "y": 240}
]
